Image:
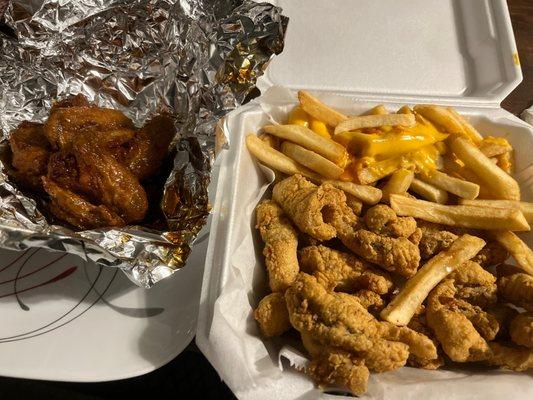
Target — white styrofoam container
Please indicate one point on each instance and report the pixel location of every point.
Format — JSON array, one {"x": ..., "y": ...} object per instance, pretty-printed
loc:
[{"x": 453, "y": 52}]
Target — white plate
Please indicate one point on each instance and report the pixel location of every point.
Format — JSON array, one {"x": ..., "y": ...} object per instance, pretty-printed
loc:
[{"x": 89, "y": 324}]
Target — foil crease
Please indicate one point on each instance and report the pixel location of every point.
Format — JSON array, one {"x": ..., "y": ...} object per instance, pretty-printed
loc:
[{"x": 195, "y": 59}]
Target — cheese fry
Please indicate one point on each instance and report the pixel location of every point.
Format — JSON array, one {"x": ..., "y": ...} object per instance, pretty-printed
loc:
[
  {"x": 455, "y": 168},
  {"x": 500, "y": 184},
  {"x": 405, "y": 110},
  {"x": 429, "y": 192},
  {"x": 377, "y": 110},
  {"x": 464, "y": 216},
  {"x": 310, "y": 140},
  {"x": 525, "y": 207},
  {"x": 311, "y": 160},
  {"x": 461, "y": 188},
  {"x": 368, "y": 194},
  {"x": 441, "y": 117},
  {"x": 374, "y": 121},
  {"x": 402, "y": 308},
  {"x": 319, "y": 110},
  {"x": 471, "y": 132},
  {"x": 398, "y": 183},
  {"x": 492, "y": 147},
  {"x": 277, "y": 160},
  {"x": 520, "y": 251}
]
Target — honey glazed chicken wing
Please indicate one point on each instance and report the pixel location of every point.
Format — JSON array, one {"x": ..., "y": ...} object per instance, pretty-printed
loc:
[
  {"x": 339, "y": 320},
  {"x": 77, "y": 211},
  {"x": 340, "y": 271},
  {"x": 304, "y": 203},
  {"x": 30, "y": 152},
  {"x": 281, "y": 243},
  {"x": 112, "y": 182}
]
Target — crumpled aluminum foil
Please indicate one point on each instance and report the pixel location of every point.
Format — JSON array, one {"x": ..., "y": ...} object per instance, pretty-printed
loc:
[{"x": 196, "y": 59}]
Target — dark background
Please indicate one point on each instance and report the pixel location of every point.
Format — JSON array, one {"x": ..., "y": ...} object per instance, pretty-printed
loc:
[{"x": 190, "y": 375}]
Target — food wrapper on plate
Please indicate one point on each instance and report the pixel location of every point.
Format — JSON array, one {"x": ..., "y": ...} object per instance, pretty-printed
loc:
[
  {"x": 193, "y": 59},
  {"x": 235, "y": 281}
]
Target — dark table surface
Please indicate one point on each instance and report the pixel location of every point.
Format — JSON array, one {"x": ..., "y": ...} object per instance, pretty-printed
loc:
[{"x": 189, "y": 375}]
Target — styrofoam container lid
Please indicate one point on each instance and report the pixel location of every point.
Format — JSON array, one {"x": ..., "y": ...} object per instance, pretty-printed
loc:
[{"x": 446, "y": 51}]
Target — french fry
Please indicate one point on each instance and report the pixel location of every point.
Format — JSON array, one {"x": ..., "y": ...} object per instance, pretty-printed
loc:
[
  {"x": 471, "y": 132},
  {"x": 377, "y": 170},
  {"x": 374, "y": 121},
  {"x": 277, "y": 160},
  {"x": 441, "y": 117},
  {"x": 493, "y": 148},
  {"x": 319, "y": 110},
  {"x": 473, "y": 217},
  {"x": 429, "y": 192},
  {"x": 377, "y": 110},
  {"x": 270, "y": 140},
  {"x": 453, "y": 168},
  {"x": 405, "y": 110},
  {"x": 461, "y": 188},
  {"x": 525, "y": 207},
  {"x": 398, "y": 183},
  {"x": 311, "y": 160},
  {"x": 310, "y": 140},
  {"x": 520, "y": 251},
  {"x": 500, "y": 184},
  {"x": 402, "y": 308},
  {"x": 368, "y": 194}
]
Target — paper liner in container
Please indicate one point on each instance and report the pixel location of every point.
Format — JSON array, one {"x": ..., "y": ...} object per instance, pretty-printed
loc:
[
  {"x": 235, "y": 278},
  {"x": 194, "y": 59}
]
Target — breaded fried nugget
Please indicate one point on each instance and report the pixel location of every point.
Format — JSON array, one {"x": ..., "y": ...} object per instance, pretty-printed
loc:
[
  {"x": 454, "y": 330},
  {"x": 521, "y": 329},
  {"x": 513, "y": 358},
  {"x": 336, "y": 270},
  {"x": 517, "y": 289},
  {"x": 281, "y": 243},
  {"x": 474, "y": 284},
  {"x": 382, "y": 219},
  {"x": 339, "y": 320},
  {"x": 272, "y": 316},
  {"x": 304, "y": 203}
]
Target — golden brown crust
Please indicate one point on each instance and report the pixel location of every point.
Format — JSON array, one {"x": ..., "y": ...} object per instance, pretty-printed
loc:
[
  {"x": 521, "y": 329},
  {"x": 272, "y": 316}
]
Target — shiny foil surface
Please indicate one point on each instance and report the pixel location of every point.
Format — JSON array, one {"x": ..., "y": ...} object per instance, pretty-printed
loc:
[{"x": 195, "y": 59}]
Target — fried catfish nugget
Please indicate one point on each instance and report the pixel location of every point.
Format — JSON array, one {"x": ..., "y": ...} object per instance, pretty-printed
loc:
[
  {"x": 272, "y": 316},
  {"x": 281, "y": 243},
  {"x": 344, "y": 272},
  {"x": 521, "y": 329},
  {"x": 454, "y": 322},
  {"x": 304, "y": 203},
  {"x": 517, "y": 289},
  {"x": 30, "y": 151},
  {"x": 77, "y": 211},
  {"x": 339, "y": 320},
  {"x": 514, "y": 358},
  {"x": 474, "y": 284},
  {"x": 394, "y": 254}
]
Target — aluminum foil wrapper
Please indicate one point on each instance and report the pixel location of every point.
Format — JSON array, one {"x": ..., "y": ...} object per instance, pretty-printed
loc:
[{"x": 195, "y": 59}]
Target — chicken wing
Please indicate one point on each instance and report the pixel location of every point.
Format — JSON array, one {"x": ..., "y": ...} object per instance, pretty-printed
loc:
[
  {"x": 304, "y": 203},
  {"x": 77, "y": 211},
  {"x": 517, "y": 289},
  {"x": 340, "y": 321},
  {"x": 521, "y": 329},
  {"x": 30, "y": 151},
  {"x": 145, "y": 153},
  {"x": 64, "y": 124},
  {"x": 340, "y": 271},
  {"x": 113, "y": 183},
  {"x": 281, "y": 243},
  {"x": 272, "y": 316}
]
